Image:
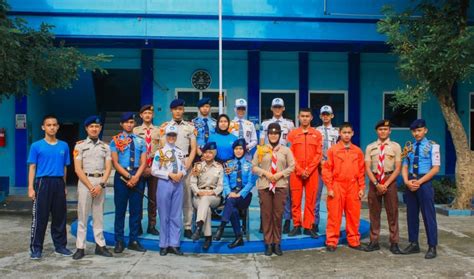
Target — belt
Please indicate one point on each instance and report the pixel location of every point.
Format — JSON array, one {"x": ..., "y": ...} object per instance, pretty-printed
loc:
[
  {"x": 131, "y": 169},
  {"x": 94, "y": 174},
  {"x": 236, "y": 189},
  {"x": 417, "y": 175},
  {"x": 207, "y": 188},
  {"x": 386, "y": 173}
]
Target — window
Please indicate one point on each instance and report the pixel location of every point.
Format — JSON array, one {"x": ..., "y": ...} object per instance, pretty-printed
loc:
[
  {"x": 336, "y": 99},
  {"x": 399, "y": 117},
  {"x": 191, "y": 98},
  {"x": 266, "y": 98}
]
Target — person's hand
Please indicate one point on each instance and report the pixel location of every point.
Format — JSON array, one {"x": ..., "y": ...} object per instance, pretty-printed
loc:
[
  {"x": 381, "y": 188},
  {"x": 412, "y": 186},
  {"x": 305, "y": 175},
  {"x": 331, "y": 194},
  {"x": 96, "y": 191},
  {"x": 172, "y": 176},
  {"x": 133, "y": 181},
  {"x": 268, "y": 175},
  {"x": 179, "y": 176},
  {"x": 199, "y": 152},
  {"x": 361, "y": 194},
  {"x": 31, "y": 193},
  {"x": 277, "y": 176},
  {"x": 147, "y": 172},
  {"x": 234, "y": 195}
]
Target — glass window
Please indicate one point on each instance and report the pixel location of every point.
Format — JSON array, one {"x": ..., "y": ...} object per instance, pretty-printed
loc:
[
  {"x": 399, "y": 117},
  {"x": 337, "y": 101},
  {"x": 266, "y": 102},
  {"x": 191, "y": 99}
]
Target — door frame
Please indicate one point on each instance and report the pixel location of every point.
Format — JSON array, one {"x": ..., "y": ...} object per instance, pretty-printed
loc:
[{"x": 276, "y": 92}]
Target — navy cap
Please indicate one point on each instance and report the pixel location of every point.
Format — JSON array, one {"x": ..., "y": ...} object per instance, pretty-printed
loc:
[
  {"x": 239, "y": 142},
  {"x": 419, "y": 123},
  {"x": 176, "y": 103},
  {"x": 92, "y": 119},
  {"x": 204, "y": 101},
  {"x": 383, "y": 123},
  {"x": 127, "y": 116},
  {"x": 209, "y": 146},
  {"x": 146, "y": 107}
]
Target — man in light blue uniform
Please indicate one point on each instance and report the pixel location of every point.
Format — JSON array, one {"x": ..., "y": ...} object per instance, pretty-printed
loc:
[
  {"x": 129, "y": 159},
  {"x": 238, "y": 184},
  {"x": 420, "y": 165},
  {"x": 204, "y": 124}
]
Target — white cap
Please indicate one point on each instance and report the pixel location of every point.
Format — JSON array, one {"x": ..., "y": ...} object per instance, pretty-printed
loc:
[
  {"x": 326, "y": 109},
  {"x": 240, "y": 103},
  {"x": 171, "y": 129},
  {"x": 278, "y": 102}
]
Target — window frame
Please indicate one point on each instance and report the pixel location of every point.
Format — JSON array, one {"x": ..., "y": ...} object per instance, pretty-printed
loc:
[
  {"x": 276, "y": 92},
  {"x": 346, "y": 99},
  {"x": 418, "y": 110},
  {"x": 194, "y": 109}
]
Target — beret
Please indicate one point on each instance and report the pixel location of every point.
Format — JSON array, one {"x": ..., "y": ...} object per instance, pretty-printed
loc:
[
  {"x": 419, "y": 123},
  {"x": 146, "y": 107},
  {"x": 274, "y": 128},
  {"x": 204, "y": 101},
  {"x": 127, "y": 116},
  {"x": 384, "y": 123},
  {"x": 209, "y": 146},
  {"x": 92, "y": 119},
  {"x": 239, "y": 142},
  {"x": 176, "y": 103}
]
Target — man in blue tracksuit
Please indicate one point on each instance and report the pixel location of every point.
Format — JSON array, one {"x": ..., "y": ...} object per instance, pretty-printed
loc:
[
  {"x": 129, "y": 159},
  {"x": 47, "y": 161}
]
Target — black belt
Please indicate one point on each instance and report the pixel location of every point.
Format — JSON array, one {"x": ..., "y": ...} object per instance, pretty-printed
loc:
[
  {"x": 417, "y": 175},
  {"x": 386, "y": 173},
  {"x": 130, "y": 168},
  {"x": 207, "y": 188},
  {"x": 94, "y": 174}
]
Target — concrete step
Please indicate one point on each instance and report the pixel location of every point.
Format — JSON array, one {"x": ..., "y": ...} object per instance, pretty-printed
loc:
[{"x": 2, "y": 196}]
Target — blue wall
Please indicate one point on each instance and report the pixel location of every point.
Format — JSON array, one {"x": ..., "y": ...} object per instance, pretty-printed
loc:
[{"x": 7, "y": 154}]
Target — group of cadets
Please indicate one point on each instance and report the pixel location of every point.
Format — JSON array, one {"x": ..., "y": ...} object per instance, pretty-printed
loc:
[{"x": 191, "y": 168}]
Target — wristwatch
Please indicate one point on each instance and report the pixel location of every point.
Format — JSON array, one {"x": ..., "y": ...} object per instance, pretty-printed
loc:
[
  {"x": 103, "y": 185},
  {"x": 376, "y": 183},
  {"x": 129, "y": 176}
]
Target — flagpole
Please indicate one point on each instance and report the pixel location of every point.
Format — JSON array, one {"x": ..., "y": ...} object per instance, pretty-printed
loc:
[{"x": 221, "y": 99}]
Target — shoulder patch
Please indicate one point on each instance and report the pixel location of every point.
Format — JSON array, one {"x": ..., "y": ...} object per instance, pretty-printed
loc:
[{"x": 80, "y": 141}]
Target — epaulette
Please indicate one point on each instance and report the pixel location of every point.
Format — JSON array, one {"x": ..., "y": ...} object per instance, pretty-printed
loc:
[
  {"x": 80, "y": 141},
  {"x": 432, "y": 142},
  {"x": 162, "y": 128}
]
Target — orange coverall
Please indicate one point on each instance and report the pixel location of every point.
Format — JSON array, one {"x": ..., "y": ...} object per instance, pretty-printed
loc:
[
  {"x": 307, "y": 150},
  {"x": 344, "y": 173}
]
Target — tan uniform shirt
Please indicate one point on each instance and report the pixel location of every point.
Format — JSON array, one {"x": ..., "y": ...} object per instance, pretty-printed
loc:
[
  {"x": 285, "y": 164},
  {"x": 186, "y": 132},
  {"x": 392, "y": 152},
  {"x": 93, "y": 155},
  {"x": 210, "y": 177},
  {"x": 155, "y": 137}
]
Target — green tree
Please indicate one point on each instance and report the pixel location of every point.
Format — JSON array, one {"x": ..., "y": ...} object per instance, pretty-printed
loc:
[
  {"x": 435, "y": 46},
  {"x": 29, "y": 55}
]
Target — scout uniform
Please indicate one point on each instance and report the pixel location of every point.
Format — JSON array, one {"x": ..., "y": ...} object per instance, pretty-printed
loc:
[
  {"x": 421, "y": 157},
  {"x": 344, "y": 174},
  {"x": 306, "y": 148},
  {"x": 272, "y": 195},
  {"x": 129, "y": 148},
  {"x": 238, "y": 178},
  {"x": 151, "y": 135},
  {"x": 205, "y": 126},
  {"x": 330, "y": 135},
  {"x": 208, "y": 177},
  {"x": 169, "y": 159},
  {"x": 244, "y": 129},
  {"x": 381, "y": 157},
  {"x": 186, "y": 134},
  {"x": 93, "y": 155}
]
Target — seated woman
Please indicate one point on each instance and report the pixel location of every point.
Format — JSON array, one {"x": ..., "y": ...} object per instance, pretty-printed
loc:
[
  {"x": 273, "y": 163},
  {"x": 238, "y": 182},
  {"x": 223, "y": 139},
  {"x": 206, "y": 184}
]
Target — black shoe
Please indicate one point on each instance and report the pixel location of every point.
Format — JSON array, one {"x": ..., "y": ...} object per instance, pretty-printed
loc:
[
  {"x": 140, "y": 229},
  {"x": 260, "y": 230},
  {"x": 175, "y": 250},
  {"x": 102, "y": 251},
  {"x": 277, "y": 249},
  {"x": 268, "y": 250},
  {"x": 295, "y": 231},
  {"x": 219, "y": 233},
  {"x": 358, "y": 247},
  {"x": 119, "y": 247},
  {"x": 136, "y": 246},
  {"x": 153, "y": 231},
  {"x": 315, "y": 228},
  {"x": 79, "y": 254},
  {"x": 331, "y": 248},
  {"x": 188, "y": 234},
  {"x": 239, "y": 241},
  {"x": 413, "y": 248},
  {"x": 431, "y": 254},
  {"x": 197, "y": 234},
  {"x": 163, "y": 251},
  {"x": 373, "y": 246},
  {"x": 395, "y": 249},
  {"x": 311, "y": 233},
  {"x": 207, "y": 243},
  {"x": 286, "y": 227}
]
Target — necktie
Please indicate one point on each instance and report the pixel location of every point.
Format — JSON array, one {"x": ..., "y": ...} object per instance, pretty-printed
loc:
[
  {"x": 132, "y": 153},
  {"x": 149, "y": 159},
  {"x": 239, "y": 174},
  {"x": 206, "y": 130},
  {"x": 174, "y": 161},
  {"x": 241, "y": 130},
  {"x": 325, "y": 143},
  {"x": 380, "y": 166},
  {"x": 273, "y": 170},
  {"x": 416, "y": 159}
]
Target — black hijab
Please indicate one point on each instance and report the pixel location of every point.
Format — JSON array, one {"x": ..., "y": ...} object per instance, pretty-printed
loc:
[{"x": 218, "y": 130}]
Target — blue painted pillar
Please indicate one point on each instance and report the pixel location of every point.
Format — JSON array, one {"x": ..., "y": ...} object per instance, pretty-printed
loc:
[
  {"x": 303, "y": 66},
  {"x": 450, "y": 156},
  {"x": 147, "y": 76},
  {"x": 21, "y": 146},
  {"x": 354, "y": 94},
  {"x": 253, "y": 86}
]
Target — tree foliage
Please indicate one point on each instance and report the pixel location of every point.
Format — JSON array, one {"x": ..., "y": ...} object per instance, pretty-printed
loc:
[{"x": 33, "y": 55}]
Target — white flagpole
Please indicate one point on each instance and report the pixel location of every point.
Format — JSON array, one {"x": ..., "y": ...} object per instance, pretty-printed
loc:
[{"x": 221, "y": 99}]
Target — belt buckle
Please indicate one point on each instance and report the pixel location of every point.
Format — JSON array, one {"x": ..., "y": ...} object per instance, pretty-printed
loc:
[{"x": 95, "y": 175}]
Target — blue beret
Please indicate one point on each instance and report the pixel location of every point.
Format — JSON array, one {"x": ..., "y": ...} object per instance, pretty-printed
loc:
[
  {"x": 127, "y": 116},
  {"x": 419, "y": 123},
  {"x": 176, "y": 103},
  {"x": 204, "y": 101},
  {"x": 92, "y": 119},
  {"x": 239, "y": 142},
  {"x": 209, "y": 146}
]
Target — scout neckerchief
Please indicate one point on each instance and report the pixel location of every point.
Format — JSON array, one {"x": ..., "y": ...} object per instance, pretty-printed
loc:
[
  {"x": 121, "y": 141},
  {"x": 273, "y": 170},
  {"x": 149, "y": 160},
  {"x": 380, "y": 166}
]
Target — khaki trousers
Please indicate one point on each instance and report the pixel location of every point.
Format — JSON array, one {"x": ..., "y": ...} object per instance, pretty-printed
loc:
[{"x": 204, "y": 214}]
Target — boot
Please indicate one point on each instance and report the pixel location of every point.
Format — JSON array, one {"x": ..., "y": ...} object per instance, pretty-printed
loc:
[
  {"x": 175, "y": 250},
  {"x": 219, "y": 232},
  {"x": 79, "y": 254},
  {"x": 188, "y": 234},
  {"x": 152, "y": 231},
  {"x": 431, "y": 254},
  {"x": 277, "y": 249},
  {"x": 119, "y": 246},
  {"x": 136, "y": 246},
  {"x": 239, "y": 241},
  {"x": 286, "y": 227},
  {"x": 197, "y": 233},
  {"x": 373, "y": 246},
  {"x": 311, "y": 233},
  {"x": 395, "y": 249},
  {"x": 207, "y": 243},
  {"x": 102, "y": 251},
  {"x": 295, "y": 231},
  {"x": 268, "y": 250},
  {"x": 413, "y": 248}
]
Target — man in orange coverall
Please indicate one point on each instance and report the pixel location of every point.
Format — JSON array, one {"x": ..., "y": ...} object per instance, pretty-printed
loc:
[
  {"x": 306, "y": 145},
  {"x": 343, "y": 174}
]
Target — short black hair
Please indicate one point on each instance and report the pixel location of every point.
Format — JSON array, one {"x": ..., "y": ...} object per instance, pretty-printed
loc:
[
  {"x": 306, "y": 110},
  {"x": 346, "y": 125},
  {"x": 50, "y": 116}
]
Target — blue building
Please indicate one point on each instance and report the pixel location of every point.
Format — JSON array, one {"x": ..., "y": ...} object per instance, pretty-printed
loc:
[{"x": 309, "y": 52}]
